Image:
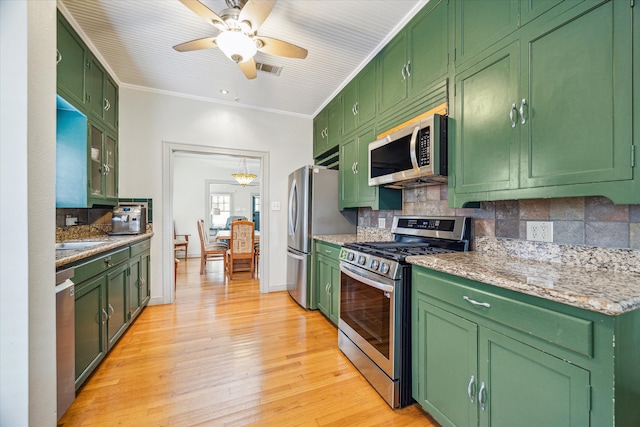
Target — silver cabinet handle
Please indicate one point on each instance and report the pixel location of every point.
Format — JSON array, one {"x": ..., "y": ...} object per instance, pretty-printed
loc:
[
  {"x": 511, "y": 117},
  {"x": 356, "y": 165},
  {"x": 403, "y": 72},
  {"x": 472, "y": 382},
  {"x": 356, "y": 108},
  {"x": 353, "y": 168},
  {"x": 522, "y": 104},
  {"x": 408, "y": 66},
  {"x": 58, "y": 57},
  {"x": 111, "y": 309},
  {"x": 474, "y": 302},
  {"x": 140, "y": 281},
  {"x": 105, "y": 316},
  {"x": 481, "y": 396}
]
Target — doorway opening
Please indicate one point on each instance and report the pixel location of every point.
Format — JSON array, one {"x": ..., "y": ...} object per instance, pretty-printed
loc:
[{"x": 226, "y": 160}]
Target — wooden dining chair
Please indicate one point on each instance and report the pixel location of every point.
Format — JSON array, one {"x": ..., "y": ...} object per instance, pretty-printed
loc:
[
  {"x": 210, "y": 251},
  {"x": 241, "y": 253},
  {"x": 180, "y": 242}
]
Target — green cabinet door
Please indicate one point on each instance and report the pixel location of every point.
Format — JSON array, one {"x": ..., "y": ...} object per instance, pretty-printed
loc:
[
  {"x": 527, "y": 387},
  {"x": 134, "y": 285},
  {"x": 486, "y": 146},
  {"x": 96, "y": 88},
  {"x": 144, "y": 279},
  {"x": 90, "y": 316},
  {"x": 111, "y": 103},
  {"x": 71, "y": 61},
  {"x": 320, "y": 133},
  {"x": 334, "y": 123},
  {"x": 480, "y": 24},
  {"x": 445, "y": 350},
  {"x": 393, "y": 72},
  {"x": 103, "y": 166},
  {"x": 359, "y": 99},
  {"x": 323, "y": 282},
  {"x": 428, "y": 46},
  {"x": 334, "y": 312},
  {"x": 118, "y": 311},
  {"x": 348, "y": 179},
  {"x": 576, "y": 83}
]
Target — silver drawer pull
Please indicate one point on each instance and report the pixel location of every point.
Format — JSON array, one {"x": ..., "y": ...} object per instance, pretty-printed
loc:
[
  {"x": 474, "y": 302},
  {"x": 482, "y": 398}
]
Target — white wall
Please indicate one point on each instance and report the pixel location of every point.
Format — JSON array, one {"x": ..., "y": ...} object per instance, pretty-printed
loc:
[
  {"x": 27, "y": 213},
  {"x": 190, "y": 178},
  {"x": 147, "y": 119}
]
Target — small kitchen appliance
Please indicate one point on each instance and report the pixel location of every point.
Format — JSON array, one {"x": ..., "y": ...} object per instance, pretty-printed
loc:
[
  {"x": 414, "y": 155},
  {"x": 129, "y": 220},
  {"x": 374, "y": 328},
  {"x": 313, "y": 210}
]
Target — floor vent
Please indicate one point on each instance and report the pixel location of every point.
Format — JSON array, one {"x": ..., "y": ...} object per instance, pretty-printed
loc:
[{"x": 271, "y": 69}]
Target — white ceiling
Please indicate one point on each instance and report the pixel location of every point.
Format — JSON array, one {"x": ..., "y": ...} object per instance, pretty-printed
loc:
[
  {"x": 223, "y": 164},
  {"x": 134, "y": 40}
]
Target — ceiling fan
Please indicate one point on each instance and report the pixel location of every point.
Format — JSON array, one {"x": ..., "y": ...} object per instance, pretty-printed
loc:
[{"x": 238, "y": 38}]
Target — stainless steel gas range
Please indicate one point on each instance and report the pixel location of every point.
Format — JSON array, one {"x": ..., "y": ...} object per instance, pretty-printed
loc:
[{"x": 374, "y": 329}]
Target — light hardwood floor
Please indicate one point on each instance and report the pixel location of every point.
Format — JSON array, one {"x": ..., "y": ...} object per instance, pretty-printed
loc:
[{"x": 224, "y": 354}]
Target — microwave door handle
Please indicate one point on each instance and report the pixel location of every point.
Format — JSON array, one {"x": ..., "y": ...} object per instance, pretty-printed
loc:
[
  {"x": 412, "y": 149},
  {"x": 366, "y": 281}
]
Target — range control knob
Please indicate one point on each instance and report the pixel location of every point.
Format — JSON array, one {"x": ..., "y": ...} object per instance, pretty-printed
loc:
[
  {"x": 384, "y": 268},
  {"x": 374, "y": 264},
  {"x": 350, "y": 256},
  {"x": 361, "y": 259}
]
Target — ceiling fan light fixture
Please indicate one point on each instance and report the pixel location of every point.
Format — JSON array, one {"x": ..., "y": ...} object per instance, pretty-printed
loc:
[{"x": 236, "y": 45}]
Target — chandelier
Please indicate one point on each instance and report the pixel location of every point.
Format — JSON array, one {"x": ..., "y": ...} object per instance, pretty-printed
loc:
[{"x": 242, "y": 175}]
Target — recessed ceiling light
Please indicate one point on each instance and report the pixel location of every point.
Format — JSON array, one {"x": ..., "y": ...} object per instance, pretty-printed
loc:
[{"x": 224, "y": 91}]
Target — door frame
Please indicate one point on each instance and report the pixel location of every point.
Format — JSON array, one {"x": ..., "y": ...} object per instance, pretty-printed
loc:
[{"x": 168, "y": 153}]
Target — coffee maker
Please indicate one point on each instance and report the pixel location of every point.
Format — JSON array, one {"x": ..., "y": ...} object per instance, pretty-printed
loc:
[{"x": 129, "y": 220}]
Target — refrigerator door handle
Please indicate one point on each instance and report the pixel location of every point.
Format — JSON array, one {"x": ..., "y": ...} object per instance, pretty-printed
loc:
[
  {"x": 298, "y": 257},
  {"x": 293, "y": 208}
]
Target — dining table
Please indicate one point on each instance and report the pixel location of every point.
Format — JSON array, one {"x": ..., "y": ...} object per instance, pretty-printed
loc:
[{"x": 225, "y": 235}]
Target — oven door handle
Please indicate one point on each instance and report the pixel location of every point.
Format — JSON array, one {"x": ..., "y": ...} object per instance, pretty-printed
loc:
[{"x": 365, "y": 280}]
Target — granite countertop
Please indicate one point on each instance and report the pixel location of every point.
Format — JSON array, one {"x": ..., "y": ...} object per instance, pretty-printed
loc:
[
  {"x": 64, "y": 257},
  {"x": 608, "y": 292},
  {"x": 337, "y": 239}
]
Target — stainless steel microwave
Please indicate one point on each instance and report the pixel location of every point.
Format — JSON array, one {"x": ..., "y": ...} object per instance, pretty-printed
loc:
[{"x": 411, "y": 156}]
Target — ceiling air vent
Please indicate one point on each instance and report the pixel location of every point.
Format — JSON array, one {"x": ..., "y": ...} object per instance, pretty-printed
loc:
[{"x": 271, "y": 69}]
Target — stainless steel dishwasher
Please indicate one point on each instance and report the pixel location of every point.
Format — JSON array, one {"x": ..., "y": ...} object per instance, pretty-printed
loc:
[{"x": 65, "y": 340}]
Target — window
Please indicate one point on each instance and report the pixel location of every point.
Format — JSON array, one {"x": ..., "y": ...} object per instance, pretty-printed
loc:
[{"x": 222, "y": 202}]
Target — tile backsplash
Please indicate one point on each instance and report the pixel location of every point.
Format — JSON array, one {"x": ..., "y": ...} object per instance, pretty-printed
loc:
[{"x": 592, "y": 221}]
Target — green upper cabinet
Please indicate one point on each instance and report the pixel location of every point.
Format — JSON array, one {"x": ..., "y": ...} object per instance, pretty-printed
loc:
[
  {"x": 327, "y": 128},
  {"x": 71, "y": 59},
  {"x": 354, "y": 176},
  {"x": 576, "y": 120},
  {"x": 103, "y": 166},
  {"x": 102, "y": 94},
  {"x": 415, "y": 58},
  {"x": 486, "y": 144},
  {"x": 550, "y": 112},
  {"x": 480, "y": 24},
  {"x": 359, "y": 99}
]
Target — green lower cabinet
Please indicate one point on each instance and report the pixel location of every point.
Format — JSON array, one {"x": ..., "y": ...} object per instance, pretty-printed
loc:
[
  {"x": 90, "y": 338},
  {"x": 118, "y": 310},
  {"x": 487, "y": 356},
  {"x": 327, "y": 279},
  {"x": 110, "y": 292}
]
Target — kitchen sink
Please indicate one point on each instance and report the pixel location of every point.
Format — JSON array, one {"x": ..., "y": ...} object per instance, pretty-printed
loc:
[{"x": 72, "y": 246}]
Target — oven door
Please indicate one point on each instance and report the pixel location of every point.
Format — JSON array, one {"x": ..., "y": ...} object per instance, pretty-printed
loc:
[{"x": 367, "y": 315}]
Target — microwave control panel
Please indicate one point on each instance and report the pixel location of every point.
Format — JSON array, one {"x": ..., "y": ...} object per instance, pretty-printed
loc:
[{"x": 424, "y": 146}]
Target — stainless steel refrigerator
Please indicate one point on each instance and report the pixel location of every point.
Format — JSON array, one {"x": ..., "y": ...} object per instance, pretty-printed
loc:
[{"x": 312, "y": 210}]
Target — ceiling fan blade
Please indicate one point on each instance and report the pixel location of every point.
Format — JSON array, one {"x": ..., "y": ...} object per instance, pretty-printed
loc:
[
  {"x": 256, "y": 11},
  {"x": 281, "y": 48},
  {"x": 203, "y": 12},
  {"x": 204, "y": 43},
  {"x": 249, "y": 68}
]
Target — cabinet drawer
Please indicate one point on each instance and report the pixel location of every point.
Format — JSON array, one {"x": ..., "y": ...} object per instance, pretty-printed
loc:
[
  {"x": 140, "y": 247},
  {"x": 98, "y": 265},
  {"x": 561, "y": 329},
  {"x": 327, "y": 249}
]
